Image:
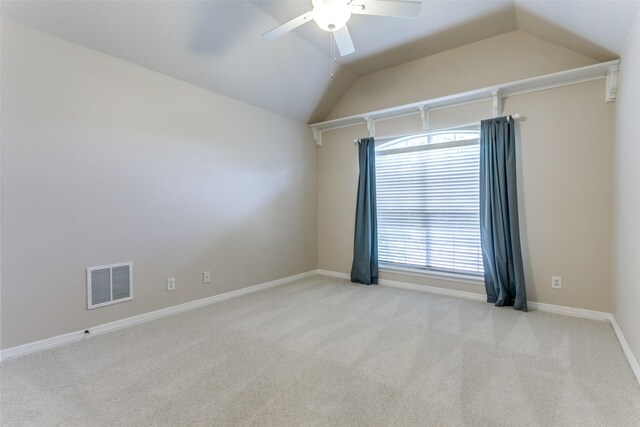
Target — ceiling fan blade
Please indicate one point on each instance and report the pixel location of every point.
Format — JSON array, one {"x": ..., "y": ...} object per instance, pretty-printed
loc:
[
  {"x": 399, "y": 8},
  {"x": 343, "y": 41},
  {"x": 288, "y": 26}
]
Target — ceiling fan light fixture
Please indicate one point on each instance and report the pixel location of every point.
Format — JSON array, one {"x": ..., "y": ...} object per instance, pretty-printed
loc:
[{"x": 331, "y": 15}]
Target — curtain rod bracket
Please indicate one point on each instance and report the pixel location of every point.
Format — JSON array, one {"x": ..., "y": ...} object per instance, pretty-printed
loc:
[
  {"x": 611, "y": 84},
  {"x": 317, "y": 135},
  {"x": 497, "y": 103},
  {"x": 424, "y": 116},
  {"x": 371, "y": 125}
]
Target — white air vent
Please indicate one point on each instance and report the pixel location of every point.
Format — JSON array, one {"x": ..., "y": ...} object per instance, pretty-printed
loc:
[{"x": 109, "y": 284}]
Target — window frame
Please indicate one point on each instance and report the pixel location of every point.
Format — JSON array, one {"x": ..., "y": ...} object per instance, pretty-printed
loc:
[{"x": 415, "y": 270}]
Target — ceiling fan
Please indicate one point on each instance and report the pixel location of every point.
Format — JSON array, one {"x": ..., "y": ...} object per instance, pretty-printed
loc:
[{"x": 332, "y": 16}]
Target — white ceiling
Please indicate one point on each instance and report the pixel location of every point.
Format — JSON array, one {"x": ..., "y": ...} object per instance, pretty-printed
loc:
[{"x": 217, "y": 45}]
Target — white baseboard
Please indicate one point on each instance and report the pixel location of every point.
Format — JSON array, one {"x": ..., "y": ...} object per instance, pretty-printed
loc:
[
  {"x": 633, "y": 362},
  {"x": 549, "y": 308},
  {"x": 335, "y": 274},
  {"x": 129, "y": 321},
  {"x": 569, "y": 311},
  {"x": 411, "y": 286},
  {"x": 433, "y": 290}
]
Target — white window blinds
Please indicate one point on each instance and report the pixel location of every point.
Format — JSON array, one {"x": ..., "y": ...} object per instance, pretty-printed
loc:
[{"x": 428, "y": 202}]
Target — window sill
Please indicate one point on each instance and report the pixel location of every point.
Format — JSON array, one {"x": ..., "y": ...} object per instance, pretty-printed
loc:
[{"x": 438, "y": 275}]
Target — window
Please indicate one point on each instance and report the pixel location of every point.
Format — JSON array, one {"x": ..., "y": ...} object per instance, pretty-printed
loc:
[{"x": 428, "y": 201}]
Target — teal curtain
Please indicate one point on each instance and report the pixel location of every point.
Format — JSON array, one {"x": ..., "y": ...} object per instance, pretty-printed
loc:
[
  {"x": 365, "y": 245},
  {"x": 499, "y": 227}
]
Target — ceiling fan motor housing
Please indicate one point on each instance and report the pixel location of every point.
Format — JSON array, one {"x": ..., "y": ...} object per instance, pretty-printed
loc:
[{"x": 331, "y": 15}]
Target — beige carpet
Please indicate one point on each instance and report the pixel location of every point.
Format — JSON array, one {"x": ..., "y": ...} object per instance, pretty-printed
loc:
[{"x": 327, "y": 352}]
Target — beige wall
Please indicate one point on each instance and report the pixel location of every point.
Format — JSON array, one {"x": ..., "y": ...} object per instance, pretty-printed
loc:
[
  {"x": 626, "y": 237},
  {"x": 565, "y": 154},
  {"x": 565, "y": 201},
  {"x": 508, "y": 57},
  {"x": 105, "y": 162}
]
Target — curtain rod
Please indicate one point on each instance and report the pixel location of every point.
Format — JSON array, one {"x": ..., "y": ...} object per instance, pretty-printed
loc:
[{"x": 515, "y": 116}]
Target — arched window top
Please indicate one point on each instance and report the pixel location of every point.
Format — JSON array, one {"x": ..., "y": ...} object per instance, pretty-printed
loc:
[{"x": 428, "y": 138}]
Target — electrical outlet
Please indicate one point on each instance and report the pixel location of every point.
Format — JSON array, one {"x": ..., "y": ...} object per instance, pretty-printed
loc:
[
  {"x": 206, "y": 277},
  {"x": 556, "y": 282},
  {"x": 171, "y": 284}
]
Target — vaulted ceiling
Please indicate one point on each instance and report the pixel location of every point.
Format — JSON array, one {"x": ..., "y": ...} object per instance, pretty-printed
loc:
[{"x": 217, "y": 44}]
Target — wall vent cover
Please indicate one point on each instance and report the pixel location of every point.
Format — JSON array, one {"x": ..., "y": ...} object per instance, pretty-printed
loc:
[{"x": 109, "y": 284}]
